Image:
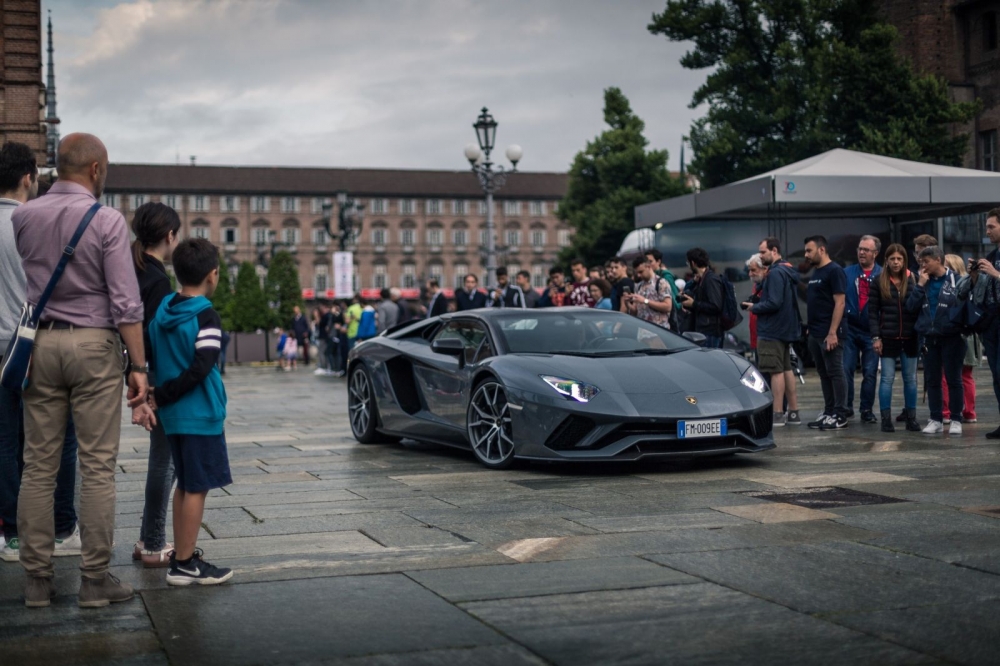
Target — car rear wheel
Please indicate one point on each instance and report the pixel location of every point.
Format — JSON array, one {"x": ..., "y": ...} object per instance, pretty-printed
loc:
[
  {"x": 362, "y": 408},
  {"x": 489, "y": 426}
]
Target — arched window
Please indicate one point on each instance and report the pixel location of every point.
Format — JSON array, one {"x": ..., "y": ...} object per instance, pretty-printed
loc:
[
  {"x": 200, "y": 229},
  {"x": 230, "y": 231}
]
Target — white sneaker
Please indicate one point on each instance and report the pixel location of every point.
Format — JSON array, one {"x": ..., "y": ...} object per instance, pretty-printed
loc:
[
  {"x": 69, "y": 546},
  {"x": 11, "y": 551},
  {"x": 319, "y": 371},
  {"x": 955, "y": 429},
  {"x": 933, "y": 427}
]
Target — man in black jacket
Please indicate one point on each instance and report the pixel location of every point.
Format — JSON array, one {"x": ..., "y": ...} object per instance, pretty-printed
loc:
[
  {"x": 438, "y": 304},
  {"x": 989, "y": 269},
  {"x": 705, "y": 300},
  {"x": 470, "y": 298},
  {"x": 506, "y": 295}
]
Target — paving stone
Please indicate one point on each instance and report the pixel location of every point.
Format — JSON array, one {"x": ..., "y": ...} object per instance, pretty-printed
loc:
[
  {"x": 662, "y": 521},
  {"x": 525, "y": 580},
  {"x": 290, "y": 544},
  {"x": 822, "y": 578},
  {"x": 311, "y": 525},
  {"x": 358, "y": 505},
  {"x": 332, "y": 618},
  {"x": 962, "y": 633},
  {"x": 111, "y": 648},
  {"x": 693, "y": 624},
  {"x": 493, "y": 530},
  {"x": 499, "y": 655},
  {"x": 776, "y": 512}
]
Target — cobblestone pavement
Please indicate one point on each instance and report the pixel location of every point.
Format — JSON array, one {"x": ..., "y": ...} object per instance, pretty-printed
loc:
[{"x": 414, "y": 554}]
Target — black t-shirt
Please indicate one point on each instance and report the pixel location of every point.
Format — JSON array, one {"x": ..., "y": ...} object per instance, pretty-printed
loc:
[
  {"x": 617, "y": 290},
  {"x": 823, "y": 284}
]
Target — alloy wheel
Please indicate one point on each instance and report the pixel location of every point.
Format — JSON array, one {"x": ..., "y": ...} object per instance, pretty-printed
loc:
[
  {"x": 490, "y": 428},
  {"x": 359, "y": 402}
]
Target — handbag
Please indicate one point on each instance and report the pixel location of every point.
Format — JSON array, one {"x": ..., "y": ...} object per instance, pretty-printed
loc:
[{"x": 17, "y": 358}]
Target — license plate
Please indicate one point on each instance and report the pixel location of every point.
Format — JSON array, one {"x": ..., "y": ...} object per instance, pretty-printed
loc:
[{"x": 704, "y": 428}]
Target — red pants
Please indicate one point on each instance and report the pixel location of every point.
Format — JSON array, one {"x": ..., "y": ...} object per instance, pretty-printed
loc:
[{"x": 968, "y": 388}]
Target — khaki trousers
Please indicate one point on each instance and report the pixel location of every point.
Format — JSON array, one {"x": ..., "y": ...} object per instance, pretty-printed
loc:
[{"x": 76, "y": 371}]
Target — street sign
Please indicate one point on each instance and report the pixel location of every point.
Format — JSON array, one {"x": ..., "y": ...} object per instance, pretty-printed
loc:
[{"x": 343, "y": 274}]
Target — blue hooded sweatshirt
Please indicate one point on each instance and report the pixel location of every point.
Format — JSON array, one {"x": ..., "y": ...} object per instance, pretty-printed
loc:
[{"x": 185, "y": 336}]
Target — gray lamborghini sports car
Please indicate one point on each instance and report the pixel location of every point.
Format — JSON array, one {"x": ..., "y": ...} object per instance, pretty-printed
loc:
[{"x": 555, "y": 384}]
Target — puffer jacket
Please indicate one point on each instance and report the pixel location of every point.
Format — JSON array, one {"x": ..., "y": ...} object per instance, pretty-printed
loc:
[
  {"x": 936, "y": 324},
  {"x": 889, "y": 318}
]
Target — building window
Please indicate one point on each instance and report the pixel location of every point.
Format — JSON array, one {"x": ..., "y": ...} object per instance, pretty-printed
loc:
[
  {"x": 289, "y": 204},
  {"x": 291, "y": 236},
  {"x": 200, "y": 232},
  {"x": 433, "y": 206},
  {"x": 380, "y": 279},
  {"x": 230, "y": 204},
  {"x": 199, "y": 203},
  {"x": 261, "y": 235},
  {"x": 409, "y": 276},
  {"x": 406, "y": 237},
  {"x": 320, "y": 237},
  {"x": 989, "y": 31},
  {"x": 989, "y": 149},
  {"x": 171, "y": 200},
  {"x": 434, "y": 237},
  {"x": 461, "y": 270},
  {"x": 513, "y": 238},
  {"x": 379, "y": 206},
  {"x": 407, "y": 206},
  {"x": 378, "y": 237},
  {"x": 538, "y": 208},
  {"x": 564, "y": 237},
  {"x": 459, "y": 207},
  {"x": 436, "y": 272},
  {"x": 481, "y": 207},
  {"x": 317, "y": 205},
  {"x": 483, "y": 238},
  {"x": 511, "y": 207},
  {"x": 112, "y": 200},
  {"x": 320, "y": 277},
  {"x": 260, "y": 204},
  {"x": 460, "y": 237},
  {"x": 539, "y": 276},
  {"x": 230, "y": 235},
  {"x": 513, "y": 270},
  {"x": 538, "y": 238},
  {"x": 137, "y": 200}
]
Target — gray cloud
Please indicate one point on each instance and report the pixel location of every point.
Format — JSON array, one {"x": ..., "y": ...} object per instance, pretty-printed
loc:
[{"x": 349, "y": 83}]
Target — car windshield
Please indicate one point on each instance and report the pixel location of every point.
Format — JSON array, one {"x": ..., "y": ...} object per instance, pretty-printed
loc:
[{"x": 585, "y": 333}]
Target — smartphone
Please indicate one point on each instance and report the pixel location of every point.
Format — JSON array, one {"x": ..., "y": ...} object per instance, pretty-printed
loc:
[
  {"x": 973, "y": 264},
  {"x": 626, "y": 289}
]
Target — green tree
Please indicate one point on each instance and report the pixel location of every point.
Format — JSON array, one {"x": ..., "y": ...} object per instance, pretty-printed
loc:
[
  {"x": 793, "y": 78},
  {"x": 282, "y": 288},
  {"x": 249, "y": 310},
  {"x": 222, "y": 299},
  {"x": 608, "y": 179}
]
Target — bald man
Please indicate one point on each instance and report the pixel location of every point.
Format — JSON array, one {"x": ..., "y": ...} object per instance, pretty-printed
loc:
[{"x": 77, "y": 368}]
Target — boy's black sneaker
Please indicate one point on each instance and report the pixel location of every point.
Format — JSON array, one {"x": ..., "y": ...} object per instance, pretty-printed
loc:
[
  {"x": 820, "y": 422},
  {"x": 196, "y": 572},
  {"x": 834, "y": 423}
]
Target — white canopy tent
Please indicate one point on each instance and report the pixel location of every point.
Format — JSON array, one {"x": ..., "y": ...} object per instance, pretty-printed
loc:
[{"x": 836, "y": 184}]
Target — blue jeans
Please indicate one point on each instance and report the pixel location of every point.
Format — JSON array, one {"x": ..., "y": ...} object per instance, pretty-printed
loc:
[
  {"x": 159, "y": 481},
  {"x": 945, "y": 356},
  {"x": 855, "y": 341},
  {"x": 12, "y": 465},
  {"x": 909, "y": 366}
]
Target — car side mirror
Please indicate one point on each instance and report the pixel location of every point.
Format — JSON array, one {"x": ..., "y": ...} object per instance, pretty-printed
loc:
[
  {"x": 448, "y": 347},
  {"x": 695, "y": 337}
]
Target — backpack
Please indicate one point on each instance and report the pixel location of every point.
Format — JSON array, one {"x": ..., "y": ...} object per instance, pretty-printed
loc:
[
  {"x": 366, "y": 327},
  {"x": 730, "y": 316}
]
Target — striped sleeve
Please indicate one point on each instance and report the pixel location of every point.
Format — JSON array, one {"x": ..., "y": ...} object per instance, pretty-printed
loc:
[{"x": 207, "y": 347}]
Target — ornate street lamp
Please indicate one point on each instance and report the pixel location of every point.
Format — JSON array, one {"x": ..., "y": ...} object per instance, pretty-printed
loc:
[
  {"x": 489, "y": 179},
  {"x": 349, "y": 218}
]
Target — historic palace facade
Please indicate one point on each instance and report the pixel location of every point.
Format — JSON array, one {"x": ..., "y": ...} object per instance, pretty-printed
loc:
[{"x": 417, "y": 224}]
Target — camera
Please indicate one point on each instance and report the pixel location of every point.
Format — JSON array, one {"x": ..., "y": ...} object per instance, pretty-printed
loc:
[{"x": 626, "y": 289}]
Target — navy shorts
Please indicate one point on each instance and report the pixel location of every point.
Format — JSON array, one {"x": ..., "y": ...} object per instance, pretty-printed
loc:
[{"x": 200, "y": 461}]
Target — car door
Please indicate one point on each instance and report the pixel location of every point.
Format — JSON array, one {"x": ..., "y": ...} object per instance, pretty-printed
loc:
[{"x": 443, "y": 380}]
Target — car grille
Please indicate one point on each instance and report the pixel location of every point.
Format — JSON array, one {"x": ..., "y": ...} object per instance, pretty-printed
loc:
[
  {"x": 757, "y": 425},
  {"x": 568, "y": 433}
]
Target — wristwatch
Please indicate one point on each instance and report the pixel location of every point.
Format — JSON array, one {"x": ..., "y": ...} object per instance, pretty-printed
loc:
[
  {"x": 141, "y": 369},
  {"x": 645, "y": 301}
]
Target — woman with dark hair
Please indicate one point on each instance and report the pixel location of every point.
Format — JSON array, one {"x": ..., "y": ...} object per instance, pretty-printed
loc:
[
  {"x": 893, "y": 337},
  {"x": 156, "y": 227},
  {"x": 600, "y": 291}
]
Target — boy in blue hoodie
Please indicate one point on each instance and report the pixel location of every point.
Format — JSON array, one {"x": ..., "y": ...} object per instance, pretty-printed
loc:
[{"x": 186, "y": 336}]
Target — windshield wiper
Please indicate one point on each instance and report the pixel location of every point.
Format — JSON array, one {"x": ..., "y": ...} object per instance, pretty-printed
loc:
[
  {"x": 653, "y": 351},
  {"x": 589, "y": 354}
]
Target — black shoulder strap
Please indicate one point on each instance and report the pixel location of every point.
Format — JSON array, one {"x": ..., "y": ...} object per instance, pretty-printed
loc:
[{"x": 63, "y": 260}]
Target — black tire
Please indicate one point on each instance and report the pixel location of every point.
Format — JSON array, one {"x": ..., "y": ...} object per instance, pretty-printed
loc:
[
  {"x": 489, "y": 427},
  {"x": 362, "y": 408}
]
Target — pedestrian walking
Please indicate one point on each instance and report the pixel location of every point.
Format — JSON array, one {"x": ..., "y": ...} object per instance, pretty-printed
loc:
[
  {"x": 891, "y": 326},
  {"x": 825, "y": 312},
  {"x": 77, "y": 367},
  {"x": 934, "y": 297},
  {"x": 18, "y": 185},
  {"x": 186, "y": 335},
  {"x": 857, "y": 337},
  {"x": 156, "y": 227}
]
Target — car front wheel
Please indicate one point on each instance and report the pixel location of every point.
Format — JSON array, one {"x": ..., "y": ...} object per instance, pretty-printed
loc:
[{"x": 489, "y": 426}]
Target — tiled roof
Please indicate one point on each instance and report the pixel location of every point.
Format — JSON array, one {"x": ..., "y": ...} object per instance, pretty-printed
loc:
[{"x": 184, "y": 179}]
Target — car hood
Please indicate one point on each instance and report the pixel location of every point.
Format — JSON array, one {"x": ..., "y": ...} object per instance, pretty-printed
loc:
[{"x": 690, "y": 371}]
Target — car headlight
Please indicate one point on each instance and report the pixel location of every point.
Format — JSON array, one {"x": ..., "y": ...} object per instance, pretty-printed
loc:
[
  {"x": 752, "y": 379},
  {"x": 571, "y": 388}
]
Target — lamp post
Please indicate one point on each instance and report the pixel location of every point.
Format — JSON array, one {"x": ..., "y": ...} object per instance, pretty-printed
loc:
[
  {"x": 349, "y": 218},
  {"x": 490, "y": 179}
]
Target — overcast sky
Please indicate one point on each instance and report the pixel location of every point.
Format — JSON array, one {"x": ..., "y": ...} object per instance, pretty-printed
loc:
[{"x": 382, "y": 83}]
